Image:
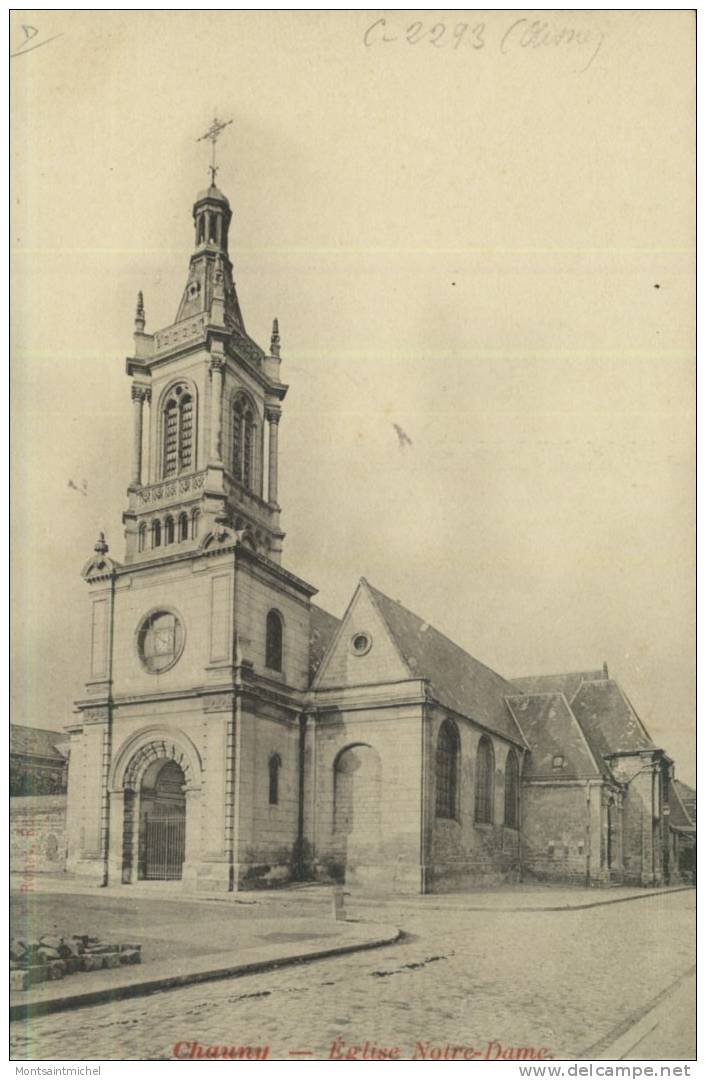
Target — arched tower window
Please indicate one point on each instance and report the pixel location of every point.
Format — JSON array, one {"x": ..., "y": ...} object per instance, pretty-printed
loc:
[
  {"x": 243, "y": 431},
  {"x": 169, "y": 530},
  {"x": 447, "y": 754},
  {"x": 485, "y": 768},
  {"x": 183, "y": 526},
  {"x": 178, "y": 422},
  {"x": 194, "y": 524},
  {"x": 141, "y": 537},
  {"x": 512, "y": 791},
  {"x": 274, "y": 766},
  {"x": 273, "y": 644},
  {"x": 156, "y": 534}
]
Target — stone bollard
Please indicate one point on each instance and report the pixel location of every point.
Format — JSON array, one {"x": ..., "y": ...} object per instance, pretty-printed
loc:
[{"x": 339, "y": 905}]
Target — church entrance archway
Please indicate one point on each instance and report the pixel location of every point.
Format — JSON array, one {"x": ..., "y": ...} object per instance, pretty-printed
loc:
[{"x": 162, "y": 828}]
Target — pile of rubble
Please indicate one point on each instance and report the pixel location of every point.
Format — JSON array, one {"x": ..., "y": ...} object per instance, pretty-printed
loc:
[{"x": 51, "y": 957}]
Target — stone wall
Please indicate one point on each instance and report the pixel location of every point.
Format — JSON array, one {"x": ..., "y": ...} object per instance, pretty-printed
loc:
[
  {"x": 37, "y": 834},
  {"x": 363, "y": 780},
  {"x": 460, "y": 851},
  {"x": 562, "y": 833}
]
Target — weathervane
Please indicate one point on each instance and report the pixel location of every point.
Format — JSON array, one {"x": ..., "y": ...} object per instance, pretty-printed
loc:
[{"x": 212, "y": 135}]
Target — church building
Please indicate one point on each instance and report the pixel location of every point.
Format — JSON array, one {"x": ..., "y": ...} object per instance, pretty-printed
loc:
[{"x": 232, "y": 734}]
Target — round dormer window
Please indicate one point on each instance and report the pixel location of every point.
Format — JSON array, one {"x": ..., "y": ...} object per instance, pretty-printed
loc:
[{"x": 361, "y": 643}]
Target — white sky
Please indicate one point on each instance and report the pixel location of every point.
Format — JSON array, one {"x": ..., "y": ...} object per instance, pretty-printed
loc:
[{"x": 462, "y": 241}]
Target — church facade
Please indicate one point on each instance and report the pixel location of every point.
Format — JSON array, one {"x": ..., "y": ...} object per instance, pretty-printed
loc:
[{"x": 232, "y": 734}]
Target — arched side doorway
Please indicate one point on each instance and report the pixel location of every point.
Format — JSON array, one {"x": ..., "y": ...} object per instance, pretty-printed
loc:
[{"x": 162, "y": 828}]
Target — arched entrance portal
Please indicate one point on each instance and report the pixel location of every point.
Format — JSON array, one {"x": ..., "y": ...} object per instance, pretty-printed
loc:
[{"x": 162, "y": 830}]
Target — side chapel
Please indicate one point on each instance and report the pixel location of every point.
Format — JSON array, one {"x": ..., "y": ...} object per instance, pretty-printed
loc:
[{"x": 233, "y": 734}]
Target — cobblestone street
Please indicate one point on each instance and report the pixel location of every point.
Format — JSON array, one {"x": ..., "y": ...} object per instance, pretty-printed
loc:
[{"x": 560, "y": 980}]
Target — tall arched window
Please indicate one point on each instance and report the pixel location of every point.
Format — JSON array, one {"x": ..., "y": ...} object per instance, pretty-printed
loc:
[
  {"x": 447, "y": 754},
  {"x": 512, "y": 791},
  {"x": 274, "y": 766},
  {"x": 156, "y": 534},
  {"x": 169, "y": 530},
  {"x": 243, "y": 441},
  {"x": 141, "y": 537},
  {"x": 485, "y": 768},
  {"x": 183, "y": 526},
  {"x": 194, "y": 524},
  {"x": 273, "y": 644},
  {"x": 178, "y": 418}
]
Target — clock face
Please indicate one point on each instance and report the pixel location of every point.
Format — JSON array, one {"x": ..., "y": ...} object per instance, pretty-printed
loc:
[{"x": 160, "y": 640}]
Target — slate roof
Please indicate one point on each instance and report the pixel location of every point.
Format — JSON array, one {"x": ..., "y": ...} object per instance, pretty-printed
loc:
[
  {"x": 683, "y": 804},
  {"x": 608, "y": 720},
  {"x": 38, "y": 742},
  {"x": 459, "y": 681},
  {"x": 551, "y": 730},
  {"x": 322, "y": 630},
  {"x": 566, "y": 684}
]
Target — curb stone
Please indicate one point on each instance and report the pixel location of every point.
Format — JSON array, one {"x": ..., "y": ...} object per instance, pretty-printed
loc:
[{"x": 151, "y": 984}]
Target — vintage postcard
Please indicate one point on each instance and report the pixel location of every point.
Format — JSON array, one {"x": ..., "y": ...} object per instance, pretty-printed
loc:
[{"x": 353, "y": 538}]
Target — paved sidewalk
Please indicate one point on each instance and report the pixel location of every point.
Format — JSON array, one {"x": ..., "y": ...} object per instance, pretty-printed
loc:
[
  {"x": 183, "y": 938},
  {"x": 523, "y": 897}
]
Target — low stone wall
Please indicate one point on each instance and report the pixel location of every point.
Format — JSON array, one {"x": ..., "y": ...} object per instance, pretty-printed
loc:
[{"x": 37, "y": 834}]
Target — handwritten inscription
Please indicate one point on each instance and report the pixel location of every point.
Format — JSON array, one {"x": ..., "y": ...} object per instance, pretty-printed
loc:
[
  {"x": 519, "y": 35},
  {"x": 31, "y": 39}
]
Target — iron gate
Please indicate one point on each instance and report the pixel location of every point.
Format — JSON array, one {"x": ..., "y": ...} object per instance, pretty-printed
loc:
[{"x": 163, "y": 854}]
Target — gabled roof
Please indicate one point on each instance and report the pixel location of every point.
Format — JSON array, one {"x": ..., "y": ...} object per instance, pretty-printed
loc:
[
  {"x": 552, "y": 732},
  {"x": 38, "y": 742},
  {"x": 566, "y": 683},
  {"x": 608, "y": 720},
  {"x": 458, "y": 681},
  {"x": 323, "y": 627}
]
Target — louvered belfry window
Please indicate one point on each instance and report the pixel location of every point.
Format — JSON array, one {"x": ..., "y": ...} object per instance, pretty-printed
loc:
[
  {"x": 186, "y": 415},
  {"x": 247, "y": 449},
  {"x": 243, "y": 441},
  {"x": 237, "y": 441},
  {"x": 178, "y": 432}
]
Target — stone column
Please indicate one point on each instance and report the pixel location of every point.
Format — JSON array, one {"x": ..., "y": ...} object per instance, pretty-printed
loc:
[
  {"x": 140, "y": 394},
  {"x": 217, "y": 365},
  {"x": 272, "y": 416}
]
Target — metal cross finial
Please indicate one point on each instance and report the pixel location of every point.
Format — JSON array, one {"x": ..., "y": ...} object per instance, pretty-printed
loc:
[{"x": 212, "y": 135}]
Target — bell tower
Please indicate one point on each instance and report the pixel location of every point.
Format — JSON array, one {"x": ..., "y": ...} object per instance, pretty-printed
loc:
[
  {"x": 198, "y": 659},
  {"x": 206, "y": 408}
]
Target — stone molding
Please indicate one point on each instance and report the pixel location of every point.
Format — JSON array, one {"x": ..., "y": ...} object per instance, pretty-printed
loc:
[
  {"x": 219, "y": 703},
  {"x": 152, "y": 744},
  {"x": 168, "y": 489}
]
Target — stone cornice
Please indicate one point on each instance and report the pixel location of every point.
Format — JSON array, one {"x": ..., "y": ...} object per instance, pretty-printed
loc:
[
  {"x": 213, "y": 698},
  {"x": 276, "y": 570}
]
